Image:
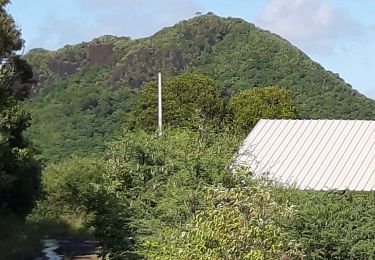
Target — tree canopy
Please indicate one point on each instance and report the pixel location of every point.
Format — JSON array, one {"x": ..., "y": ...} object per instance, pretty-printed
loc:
[
  {"x": 239, "y": 222},
  {"x": 18, "y": 171},
  {"x": 79, "y": 103},
  {"x": 186, "y": 98},
  {"x": 250, "y": 105},
  {"x": 173, "y": 196}
]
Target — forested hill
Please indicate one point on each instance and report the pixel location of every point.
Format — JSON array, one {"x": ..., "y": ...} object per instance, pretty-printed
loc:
[{"x": 84, "y": 91}]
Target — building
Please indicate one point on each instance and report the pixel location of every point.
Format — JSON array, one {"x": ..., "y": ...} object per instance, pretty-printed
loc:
[{"x": 313, "y": 154}]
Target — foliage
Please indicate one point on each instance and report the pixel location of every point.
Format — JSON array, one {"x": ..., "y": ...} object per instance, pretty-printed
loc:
[
  {"x": 76, "y": 193},
  {"x": 253, "y": 104},
  {"x": 239, "y": 222},
  {"x": 240, "y": 55},
  {"x": 77, "y": 116},
  {"x": 19, "y": 172},
  {"x": 236, "y": 54},
  {"x": 150, "y": 190},
  {"x": 145, "y": 184},
  {"x": 10, "y": 42},
  {"x": 185, "y": 97},
  {"x": 332, "y": 225},
  {"x": 162, "y": 178},
  {"x": 72, "y": 182},
  {"x": 173, "y": 197}
]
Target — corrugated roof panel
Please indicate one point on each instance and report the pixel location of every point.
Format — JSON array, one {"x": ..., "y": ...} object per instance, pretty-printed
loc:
[
  {"x": 276, "y": 150},
  {"x": 304, "y": 147},
  {"x": 277, "y": 130},
  {"x": 344, "y": 154},
  {"x": 366, "y": 169},
  {"x": 293, "y": 139},
  {"x": 277, "y": 157},
  {"x": 313, "y": 154},
  {"x": 355, "y": 170},
  {"x": 359, "y": 143},
  {"x": 335, "y": 145},
  {"x": 310, "y": 149},
  {"x": 248, "y": 149}
]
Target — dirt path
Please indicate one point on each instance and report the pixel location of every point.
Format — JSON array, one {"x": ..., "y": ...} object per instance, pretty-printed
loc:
[{"x": 68, "y": 248}]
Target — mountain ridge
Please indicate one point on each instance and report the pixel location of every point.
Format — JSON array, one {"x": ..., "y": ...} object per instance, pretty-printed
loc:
[{"x": 235, "y": 53}]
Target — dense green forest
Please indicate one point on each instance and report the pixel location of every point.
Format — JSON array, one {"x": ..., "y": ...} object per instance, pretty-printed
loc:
[
  {"x": 92, "y": 165},
  {"x": 84, "y": 91}
]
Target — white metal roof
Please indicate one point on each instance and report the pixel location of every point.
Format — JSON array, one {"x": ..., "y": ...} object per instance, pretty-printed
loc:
[{"x": 313, "y": 154}]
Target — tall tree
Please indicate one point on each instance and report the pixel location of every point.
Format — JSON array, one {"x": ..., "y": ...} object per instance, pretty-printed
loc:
[
  {"x": 241, "y": 221},
  {"x": 253, "y": 104},
  {"x": 186, "y": 98},
  {"x": 19, "y": 173}
]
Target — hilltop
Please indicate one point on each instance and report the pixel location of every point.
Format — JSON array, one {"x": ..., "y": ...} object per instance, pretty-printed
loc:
[{"x": 85, "y": 90}]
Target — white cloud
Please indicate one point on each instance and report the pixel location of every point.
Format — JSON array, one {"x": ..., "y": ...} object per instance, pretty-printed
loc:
[{"x": 312, "y": 25}]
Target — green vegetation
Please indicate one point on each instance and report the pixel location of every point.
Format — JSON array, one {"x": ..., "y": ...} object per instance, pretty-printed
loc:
[
  {"x": 173, "y": 196},
  {"x": 86, "y": 88},
  {"x": 19, "y": 172},
  {"x": 80, "y": 192},
  {"x": 186, "y": 97},
  {"x": 77, "y": 116},
  {"x": 332, "y": 225},
  {"x": 108, "y": 175},
  {"x": 149, "y": 187},
  {"x": 238, "y": 222},
  {"x": 251, "y": 105},
  {"x": 171, "y": 173},
  {"x": 20, "y": 239}
]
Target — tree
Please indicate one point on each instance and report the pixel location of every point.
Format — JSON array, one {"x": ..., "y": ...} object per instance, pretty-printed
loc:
[
  {"x": 19, "y": 173},
  {"x": 186, "y": 98},
  {"x": 162, "y": 178},
  {"x": 238, "y": 222},
  {"x": 144, "y": 184},
  {"x": 76, "y": 191},
  {"x": 252, "y": 104},
  {"x": 332, "y": 225}
]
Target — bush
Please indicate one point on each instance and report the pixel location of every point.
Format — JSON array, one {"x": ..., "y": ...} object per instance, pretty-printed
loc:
[
  {"x": 333, "y": 225},
  {"x": 185, "y": 98},
  {"x": 237, "y": 222},
  {"x": 162, "y": 178},
  {"x": 253, "y": 104},
  {"x": 77, "y": 192}
]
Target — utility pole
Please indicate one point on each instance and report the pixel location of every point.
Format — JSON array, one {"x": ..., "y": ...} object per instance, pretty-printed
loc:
[{"x": 160, "y": 112}]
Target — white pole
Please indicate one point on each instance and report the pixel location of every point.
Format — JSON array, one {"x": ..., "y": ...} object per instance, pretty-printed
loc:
[{"x": 160, "y": 115}]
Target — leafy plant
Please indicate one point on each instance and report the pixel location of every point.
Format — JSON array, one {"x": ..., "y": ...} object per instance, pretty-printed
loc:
[
  {"x": 186, "y": 98},
  {"x": 253, "y": 104},
  {"x": 241, "y": 221},
  {"x": 332, "y": 225},
  {"x": 19, "y": 172}
]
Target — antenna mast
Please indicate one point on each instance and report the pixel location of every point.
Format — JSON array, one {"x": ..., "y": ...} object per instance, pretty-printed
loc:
[{"x": 160, "y": 112}]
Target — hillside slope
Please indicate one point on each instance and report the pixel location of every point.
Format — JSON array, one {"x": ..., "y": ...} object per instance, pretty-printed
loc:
[{"x": 85, "y": 90}]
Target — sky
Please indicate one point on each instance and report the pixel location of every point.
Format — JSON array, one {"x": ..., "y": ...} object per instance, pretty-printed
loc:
[{"x": 339, "y": 34}]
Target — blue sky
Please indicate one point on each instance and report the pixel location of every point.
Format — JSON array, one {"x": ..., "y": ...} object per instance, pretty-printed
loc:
[{"x": 339, "y": 34}]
